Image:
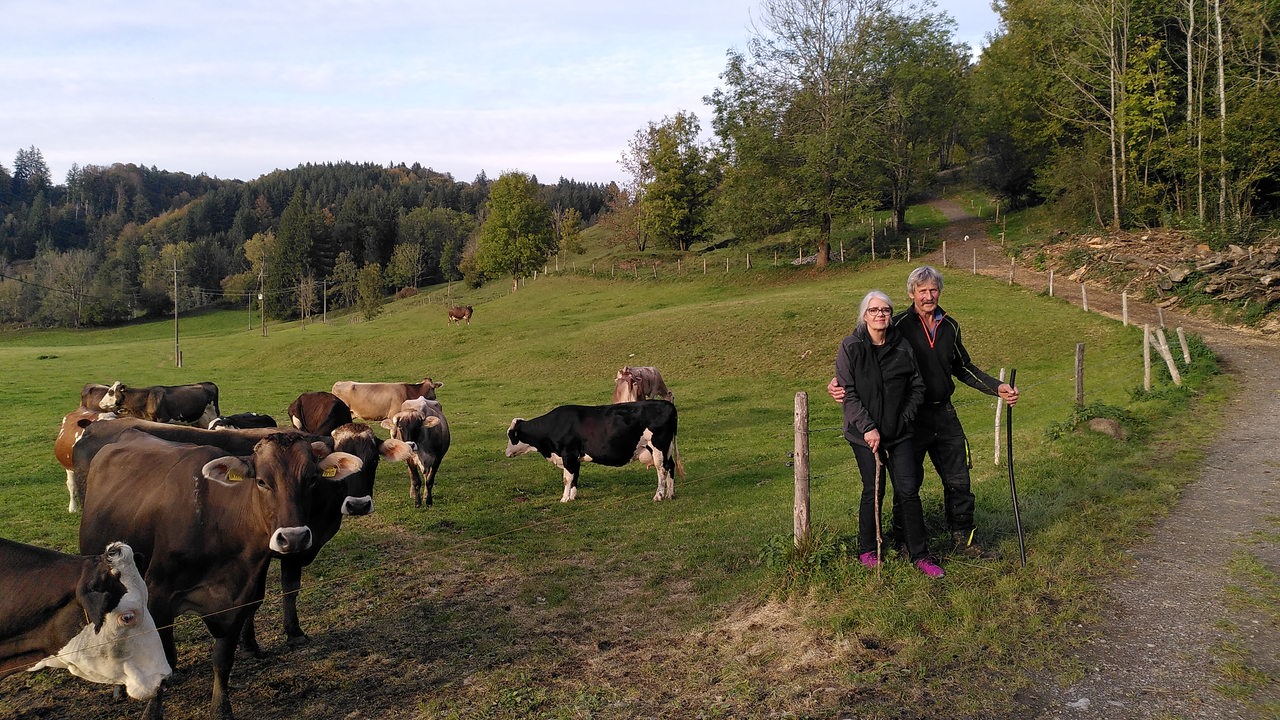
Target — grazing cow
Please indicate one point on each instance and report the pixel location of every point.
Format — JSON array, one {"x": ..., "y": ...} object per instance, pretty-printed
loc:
[
  {"x": 319, "y": 412},
  {"x": 421, "y": 423},
  {"x": 329, "y": 504},
  {"x": 195, "y": 403},
  {"x": 242, "y": 421},
  {"x": 208, "y": 524},
  {"x": 86, "y": 614},
  {"x": 99, "y": 434},
  {"x": 73, "y": 425},
  {"x": 381, "y": 400},
  {"x": 604, "y": 434},
  {"x": 460, "y": 312},
  {"x": 640, "y": 383},
  {"x": 91, "y": 395}
]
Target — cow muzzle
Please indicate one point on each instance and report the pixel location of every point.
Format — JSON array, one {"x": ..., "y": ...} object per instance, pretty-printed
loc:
[
  {"x": 291, "y": 540},
  {"x": 357, "y": 505}
]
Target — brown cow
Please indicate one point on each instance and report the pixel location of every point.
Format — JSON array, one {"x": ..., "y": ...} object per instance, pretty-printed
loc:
[
  {"x": 460, "y": 312},
  {"x": 208, "y": 524},
  {"x": 73, "y": 425},
  {"x": 194, "y": 403},
  {"x": 421, "y": 423},
  {"x": 91, "y": 395},
  {"x": 86, "y": 614},
  {"x": 319, "y": 412},
  {"x": 640, "y": 383},
  {"x": 381, "y": 400}
]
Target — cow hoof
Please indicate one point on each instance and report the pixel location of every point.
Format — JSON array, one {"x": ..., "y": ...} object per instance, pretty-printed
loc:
[{"x": 297, "y": 640}]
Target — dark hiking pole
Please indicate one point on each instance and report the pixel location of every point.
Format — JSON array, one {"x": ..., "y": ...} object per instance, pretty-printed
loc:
[{"x": 1013, "y": 488}]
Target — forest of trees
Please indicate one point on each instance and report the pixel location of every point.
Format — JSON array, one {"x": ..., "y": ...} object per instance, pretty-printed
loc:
[{"x": 1112, "y": 114}]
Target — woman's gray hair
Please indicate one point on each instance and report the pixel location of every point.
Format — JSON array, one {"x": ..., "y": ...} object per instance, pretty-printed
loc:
[
  {"x": 866, "y": 300},
  {"x": 923, "y": 274}
]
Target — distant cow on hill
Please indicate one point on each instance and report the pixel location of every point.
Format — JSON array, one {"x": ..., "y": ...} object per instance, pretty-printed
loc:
[
  {"x": 640, "y": 383},
  {"x": 604, "y": 434},
  {"x": 381, "y": 400},
  {"x": 460, "y": 312}
]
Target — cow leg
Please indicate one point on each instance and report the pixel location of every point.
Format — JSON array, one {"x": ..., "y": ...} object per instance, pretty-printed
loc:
[
  {"x": 249, "y": 637},
  {"x": 224, "y": 656},
  {"x": 572, "y": 467},
  {"x": 74, "y": 505},
  {"x": 290, "y": 584},
  {"x": 415, "y": 484},
  {"x": 431, "y": 480}
]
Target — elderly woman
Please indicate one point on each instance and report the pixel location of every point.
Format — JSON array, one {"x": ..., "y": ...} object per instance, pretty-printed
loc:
[{"x": 883, "y": 391}]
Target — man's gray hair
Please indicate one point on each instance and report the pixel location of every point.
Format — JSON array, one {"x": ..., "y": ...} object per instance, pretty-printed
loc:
[
  {"x": 866, "y": 300},
  {"x": 923, "y": 274}
]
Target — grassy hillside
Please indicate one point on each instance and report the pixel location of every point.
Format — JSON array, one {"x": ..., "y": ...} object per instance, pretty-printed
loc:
[{"x": 614, "y": 606}]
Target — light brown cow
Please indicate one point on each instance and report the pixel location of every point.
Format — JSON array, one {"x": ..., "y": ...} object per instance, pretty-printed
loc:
[
  {"x": 73, "y": 425},
  {"x": 640, "y": 383},
  {"x": 380, "y": 400}
]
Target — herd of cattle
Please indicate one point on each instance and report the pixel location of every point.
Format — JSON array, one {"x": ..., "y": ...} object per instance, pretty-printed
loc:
[{"x": 187, "y": 508}]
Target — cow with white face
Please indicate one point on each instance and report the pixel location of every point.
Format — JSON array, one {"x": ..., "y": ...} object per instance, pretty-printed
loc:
[
  {"x": 86, "y": 614},
  {"x": 614, "y": 435}
]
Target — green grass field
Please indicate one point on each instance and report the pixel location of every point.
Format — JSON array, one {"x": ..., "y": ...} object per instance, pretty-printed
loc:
[{"x": 521, "y": 592}]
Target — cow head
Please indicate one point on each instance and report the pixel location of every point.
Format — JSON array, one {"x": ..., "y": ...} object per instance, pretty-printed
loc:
[
  {"x": 427, "y": 388},
  {"x": 284, "y": 468},
  {"x": 114, "y": 395},
  {"x": 358, "y": 439},
  {"x": 120, "y": 645},
  {"x": 516, "y": 446},
  {"x": 626, "y": 386}
]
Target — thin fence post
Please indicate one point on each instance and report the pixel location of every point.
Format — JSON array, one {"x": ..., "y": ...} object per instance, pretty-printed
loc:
[
  {"x": 1079, "y": 375},
  {"x": 1146, "y": 357},
  {"x": 1084, "y": 297},
  {"x": 999, "y": 408},
  {"x": 748, "y": 261},
  {"x": 1124, "y": 307},
  {"x": 800, "y": 516},
  {"x": 726, "y": 265},
  {"x": 1051, "y": 283},
  {"x": 1160, "y": 315},
  {"x": 842, "y": 250},
  {"x": 908, "y": 248},
  {"x": 944, "y": 253},
  {"x": 975, "y": 261},
  {"x": 704, "y": 266},
  {"x": 1011, "y": 266},
  {"x": 1163, "y": 347},
  {"x": 1186, "y": 351}
]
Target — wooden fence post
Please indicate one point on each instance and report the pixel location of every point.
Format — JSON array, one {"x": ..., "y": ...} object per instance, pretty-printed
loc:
[
  {"x": 975, "y": 261},
  {"x": 800, "y": 517},
  {"x": 999, "y": 407},
  {"x": 1124, "y": 307},
  {"x": 1079, "y": 375},
  {"x": 1146, "y": 357},
  {"x": 944, "y": 253},
  {"x": 1051, "y": 283},
  {"x": 1084, "y": 297},
  {"x": 1186, "y": 351},
  {"x": 1011, "y": 266},
  {"x": 1163, "y": 347}
]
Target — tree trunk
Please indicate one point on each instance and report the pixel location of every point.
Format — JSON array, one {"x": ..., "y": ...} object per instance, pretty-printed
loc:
[{"x": 1222, "y": 119}]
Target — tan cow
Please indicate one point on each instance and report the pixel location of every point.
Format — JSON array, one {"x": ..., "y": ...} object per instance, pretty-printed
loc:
[
  {"x": 73, "y": 425},
  {"x": 381, "y": 400},
  {"x": 640, "y": 383}
]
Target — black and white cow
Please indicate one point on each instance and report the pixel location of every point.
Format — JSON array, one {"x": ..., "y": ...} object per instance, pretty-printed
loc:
[
  {"x": 87, "y": 614},
  {"x": 242, "y": 421},
  {"x": 603, "y": 434}
]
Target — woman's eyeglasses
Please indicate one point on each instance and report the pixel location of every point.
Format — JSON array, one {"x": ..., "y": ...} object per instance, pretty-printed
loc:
[{"x": 878, "y": 311}]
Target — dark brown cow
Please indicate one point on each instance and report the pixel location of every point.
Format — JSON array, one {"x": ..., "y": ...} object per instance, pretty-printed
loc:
[
  {"x": 208, "y": 524},
  {"x": 330, "y": 503},
  {"x": 99, "y": 434},
  {"x": 381, "y": 400},
  {"x": 195, "y": 403},
  {"x": 460, "y": 312},
  {"x": 421, "y": 423},
  {"x": 640, "y": 383},
  {"x": 86, "y": 614},
  {"x": 73, "y": 425},
  {"x": 319, "y": 412}
]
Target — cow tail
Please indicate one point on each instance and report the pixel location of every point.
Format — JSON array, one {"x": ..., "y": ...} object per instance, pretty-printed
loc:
[{"x": 675, "y": 456}]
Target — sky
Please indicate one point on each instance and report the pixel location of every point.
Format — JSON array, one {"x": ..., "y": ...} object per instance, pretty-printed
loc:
[{"x": 238, "y": 88}]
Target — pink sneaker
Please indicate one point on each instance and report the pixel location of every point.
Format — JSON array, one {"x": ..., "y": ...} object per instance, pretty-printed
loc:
[
  {"x": 869, "y": 559},
  {"x": 930, "y": 568}
]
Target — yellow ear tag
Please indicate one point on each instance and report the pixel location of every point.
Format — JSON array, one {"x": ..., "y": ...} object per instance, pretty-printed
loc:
[
  {"x": 234, "y": 476},
  {"x": 329, "y": 472}
]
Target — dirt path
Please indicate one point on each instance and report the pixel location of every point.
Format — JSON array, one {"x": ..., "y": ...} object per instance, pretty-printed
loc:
[{"x": 1153, "y": 656}]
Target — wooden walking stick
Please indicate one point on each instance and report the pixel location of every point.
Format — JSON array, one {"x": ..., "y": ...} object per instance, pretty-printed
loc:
[
  {"x": 879, "y": 540},
  {"x": 1013, "y": 488}
]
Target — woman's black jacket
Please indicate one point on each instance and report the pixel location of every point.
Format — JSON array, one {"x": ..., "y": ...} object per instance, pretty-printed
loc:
[{"x": 883, "y": 388}]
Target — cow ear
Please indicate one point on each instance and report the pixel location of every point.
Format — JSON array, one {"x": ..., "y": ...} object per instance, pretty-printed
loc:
[
  {"x": 227, "y": 470},
  {"x": 99, "y": 591},
  {"x": 338, "y": 465},
  {"x": 396, "y": 450},
  {"x": 319, "y": 450}
]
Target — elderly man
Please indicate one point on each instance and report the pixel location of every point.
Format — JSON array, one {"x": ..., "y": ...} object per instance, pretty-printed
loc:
[{"x": 934, "y": 336}]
